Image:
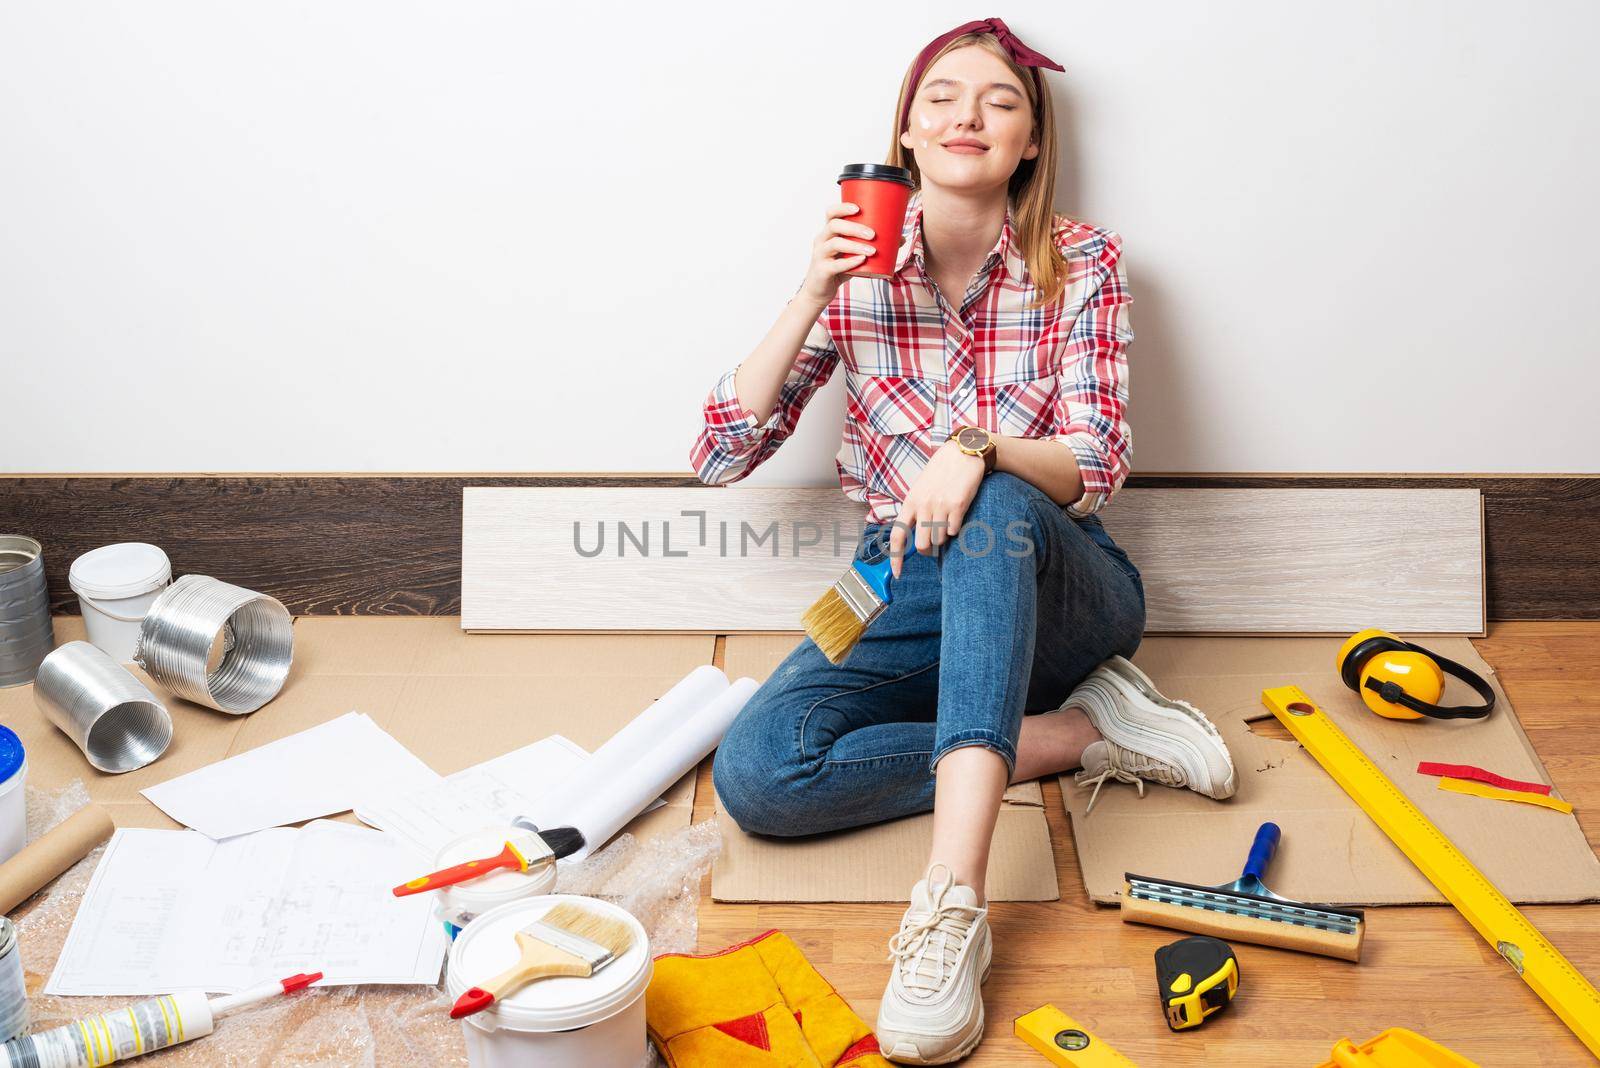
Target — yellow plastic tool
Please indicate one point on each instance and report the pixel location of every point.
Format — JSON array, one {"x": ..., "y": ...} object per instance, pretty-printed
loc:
[
  {"x": 1539, "y": 963},
  {"x": 1066, "y": 1042},
  {"x": 1483, "y": 789},
  {"x": 1395, "y": 1048}
]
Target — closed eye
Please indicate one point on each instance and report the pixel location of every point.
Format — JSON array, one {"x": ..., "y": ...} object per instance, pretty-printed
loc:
[{"x": 947, "y": 100}]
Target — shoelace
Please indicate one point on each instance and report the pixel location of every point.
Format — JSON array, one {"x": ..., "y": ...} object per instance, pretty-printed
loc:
[
  {"x": 1124, "y": 765},
  {"x": 947, "y": 925}
]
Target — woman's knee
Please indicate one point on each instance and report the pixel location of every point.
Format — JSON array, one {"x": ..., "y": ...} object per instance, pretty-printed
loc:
[
  {"x": 1001, "y": 498},
  {"x": 752, "y": 774},
  {"x": 1002, "y": 519},
  {"x": 753, "y": 796}
]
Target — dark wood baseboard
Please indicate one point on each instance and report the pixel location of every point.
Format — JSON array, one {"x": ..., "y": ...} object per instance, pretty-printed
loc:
[{"x": 391, "y": 544}]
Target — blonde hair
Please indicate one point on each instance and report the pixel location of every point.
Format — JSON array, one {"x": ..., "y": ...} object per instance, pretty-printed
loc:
[{"x": 1032, "y": 185}]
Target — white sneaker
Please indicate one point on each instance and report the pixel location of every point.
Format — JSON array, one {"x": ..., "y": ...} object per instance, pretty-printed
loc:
[
  {"x": 932, "y": 1011},
  {"x": 1148, "y": 737}
]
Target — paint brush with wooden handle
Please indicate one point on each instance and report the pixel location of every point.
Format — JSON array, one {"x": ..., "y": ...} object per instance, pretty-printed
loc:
[
  {"x": 567, "y": 940},
  {"x": 520, "y": 854}
]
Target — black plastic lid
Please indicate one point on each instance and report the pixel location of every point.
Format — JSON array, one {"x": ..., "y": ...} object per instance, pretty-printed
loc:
[{"x": 883, "y": 172}]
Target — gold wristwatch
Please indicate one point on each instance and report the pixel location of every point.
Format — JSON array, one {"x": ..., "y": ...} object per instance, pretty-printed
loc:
[{"x": 976, "y": 441}]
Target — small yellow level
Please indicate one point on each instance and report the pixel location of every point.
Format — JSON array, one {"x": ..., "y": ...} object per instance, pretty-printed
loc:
[{"x": 1066, "y": 1042}]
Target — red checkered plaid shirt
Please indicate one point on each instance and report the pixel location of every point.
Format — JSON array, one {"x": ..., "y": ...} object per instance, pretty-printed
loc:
[{"x": 915, "y": 368}]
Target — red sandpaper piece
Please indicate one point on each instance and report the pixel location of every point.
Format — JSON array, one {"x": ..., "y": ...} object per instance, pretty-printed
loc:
[{"x": 1467, "y": 771}]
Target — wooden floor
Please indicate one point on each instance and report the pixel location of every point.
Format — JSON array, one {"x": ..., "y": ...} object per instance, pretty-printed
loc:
[{"x": 1424, "y": 968}]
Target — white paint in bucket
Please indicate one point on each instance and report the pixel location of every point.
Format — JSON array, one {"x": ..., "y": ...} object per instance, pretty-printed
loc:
[
  {"x": 116, "y": 584},
  {"x": 13, "y": 797},
  {"x": 459, "y": 904},
  {"x": 554, "y": 1023}
]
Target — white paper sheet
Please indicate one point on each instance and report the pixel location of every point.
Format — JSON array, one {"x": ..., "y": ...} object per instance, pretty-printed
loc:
[
  {"x": 601, "y": 803},
  {"x": 494, "y": 792},
  {"x": 174, "y": 910},
  {"x": 318, "y": 772},
  {"x": 548, "y": 781}
]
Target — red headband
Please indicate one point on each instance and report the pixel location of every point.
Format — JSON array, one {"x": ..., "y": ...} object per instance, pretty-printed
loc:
[{"x": 1020, "y": 54}]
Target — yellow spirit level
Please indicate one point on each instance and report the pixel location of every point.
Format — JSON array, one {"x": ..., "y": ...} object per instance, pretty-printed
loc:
[
  {"x": 1066, "y": 1042},
  {"x": 1530, "y": 954}
]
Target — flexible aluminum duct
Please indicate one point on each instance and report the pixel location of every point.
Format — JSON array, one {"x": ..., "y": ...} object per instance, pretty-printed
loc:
[
  {"x": 216, "y": 644},
  {"x": 103, "y": 707}
]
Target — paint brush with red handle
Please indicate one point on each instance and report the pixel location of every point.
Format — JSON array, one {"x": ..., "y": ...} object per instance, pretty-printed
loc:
[{"x": 521, "y": 853}]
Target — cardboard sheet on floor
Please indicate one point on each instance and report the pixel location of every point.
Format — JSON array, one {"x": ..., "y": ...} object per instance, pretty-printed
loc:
[
  {"x": 877, "y": 863},
  {"x": 1331, "y": 851},
  {"x": 453, "y": 699}
]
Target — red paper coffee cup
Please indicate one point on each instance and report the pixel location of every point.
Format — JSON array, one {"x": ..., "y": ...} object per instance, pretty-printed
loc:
[{"x": 881, "y": 191}]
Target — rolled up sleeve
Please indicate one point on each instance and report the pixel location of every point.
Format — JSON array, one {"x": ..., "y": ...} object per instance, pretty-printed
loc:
[
  {"x": 732, "y": 443},
  {"x": 1093, "y": 398}
]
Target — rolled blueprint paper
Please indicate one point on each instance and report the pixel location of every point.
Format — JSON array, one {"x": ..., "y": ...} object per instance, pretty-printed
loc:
[
  {"x": 51, "y": 854},
  {"x": 607, "y": 808},
  {"x": 644, "y": 732}
]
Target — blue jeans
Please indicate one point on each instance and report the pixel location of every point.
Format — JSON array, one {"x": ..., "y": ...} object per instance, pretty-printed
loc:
[{"x": 971, "y": 640}]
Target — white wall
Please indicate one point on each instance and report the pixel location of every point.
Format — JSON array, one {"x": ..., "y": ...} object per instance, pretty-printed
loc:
[{"x": 377, "y": 236}]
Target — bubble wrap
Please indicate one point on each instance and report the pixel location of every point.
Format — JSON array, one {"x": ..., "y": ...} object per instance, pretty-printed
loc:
[{"x": 657, "y": 880}]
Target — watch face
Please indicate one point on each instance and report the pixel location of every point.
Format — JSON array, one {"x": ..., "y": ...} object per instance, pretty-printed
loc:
[{"x": 972, "y": 437}]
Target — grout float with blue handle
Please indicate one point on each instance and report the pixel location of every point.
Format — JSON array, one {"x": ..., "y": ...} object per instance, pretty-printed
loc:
[{"x": 1245, "y": 910}]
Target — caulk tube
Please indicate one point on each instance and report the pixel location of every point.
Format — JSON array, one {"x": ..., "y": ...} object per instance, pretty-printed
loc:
[
  {"x": 107, "y": 1037},
  {"x": 144, "y": 1027}
]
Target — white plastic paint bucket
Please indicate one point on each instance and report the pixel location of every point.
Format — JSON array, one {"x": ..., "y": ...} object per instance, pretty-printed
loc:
[
  {"x": 116, "y": 584},
  {"x": 554, "y": 1023},
  {"x": 13, "y": 795},
  {"x": 459, "y": 904}
]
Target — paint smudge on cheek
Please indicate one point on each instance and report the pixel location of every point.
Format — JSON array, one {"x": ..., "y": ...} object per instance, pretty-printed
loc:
[
  {"x": 924, "y": 143},
  {"x": 927, "y": 123}
]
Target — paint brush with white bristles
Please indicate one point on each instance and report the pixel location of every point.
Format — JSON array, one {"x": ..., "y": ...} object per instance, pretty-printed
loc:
[{"x": 840, "y": 616}]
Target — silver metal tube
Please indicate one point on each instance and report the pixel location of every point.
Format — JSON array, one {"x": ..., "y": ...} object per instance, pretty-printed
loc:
[
  {"x": 103, "y": 707},
  {"x": 216, "y": 644},
  {"x": 26, "y": 632}
]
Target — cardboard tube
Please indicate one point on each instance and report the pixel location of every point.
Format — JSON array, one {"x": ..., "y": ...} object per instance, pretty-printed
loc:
[{"x": 51, "y": 854}]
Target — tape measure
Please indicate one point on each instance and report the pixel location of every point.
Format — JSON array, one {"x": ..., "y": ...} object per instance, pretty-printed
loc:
[
  {"x": 1066, "y": 1042},
  {"x": 1197, "y": 978},
  {"x": 1539, "y": 963}
]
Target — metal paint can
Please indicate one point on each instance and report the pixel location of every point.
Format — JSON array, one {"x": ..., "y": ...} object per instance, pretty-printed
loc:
[
  {"x": 26, "y": 632},
  {"x": 13, "y": 988}
]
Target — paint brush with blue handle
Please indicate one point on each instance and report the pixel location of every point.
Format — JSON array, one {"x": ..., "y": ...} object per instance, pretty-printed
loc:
[{"x": 839, "y": 617}]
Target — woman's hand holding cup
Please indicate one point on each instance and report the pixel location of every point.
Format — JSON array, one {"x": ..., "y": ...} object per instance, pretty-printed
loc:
[{"x": 841, "y": 247}]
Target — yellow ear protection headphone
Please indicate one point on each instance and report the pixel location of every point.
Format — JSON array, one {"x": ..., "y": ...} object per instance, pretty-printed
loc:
[{"x": 1399, "y": 680}]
